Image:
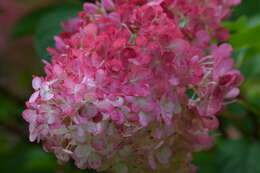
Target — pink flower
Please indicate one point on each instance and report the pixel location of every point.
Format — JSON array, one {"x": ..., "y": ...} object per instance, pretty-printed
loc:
[
  {"x": 108, "y": 4},
  {"x": 90, "y": 8},
  {"x": 131, "y": 87}
]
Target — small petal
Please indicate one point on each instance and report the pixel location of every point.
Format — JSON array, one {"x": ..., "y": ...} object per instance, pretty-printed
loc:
[
  {"x": 90, "y": 8},
  {"x": 30, "y": 115},
  {"x": 36, "y": 83},
  {"x": 233, "y": 93},
  {"x": 108, "y": 4},
  {"x": 34, "y": 97}
]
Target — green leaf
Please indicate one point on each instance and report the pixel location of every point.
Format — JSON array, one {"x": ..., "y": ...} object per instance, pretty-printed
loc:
[
  {"x": 236, "y": 116},
  {"x": 205, "y": 162},
  {"x": 250, "y": 68},
  {"x": 37, "y": 160},
  {"x": 248, "y": 8},
  {"x": 237, "y": 25},
  {"x": 253, "y": 21},
  {"x": 238, "y": 156},
  {"x": 250, "y": 106},
  {"x": 236, "y": 109},
  {"x": 50, "y": 25},
  {"x": 247, "y": 37},
  {"x": 8, "y": 109},
  {"x": 251, "y": 97},
  {"x": 28, "y": 23}
]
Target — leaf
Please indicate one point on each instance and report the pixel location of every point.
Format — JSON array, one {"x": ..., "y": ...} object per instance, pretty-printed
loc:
[
  {"x": 28, "y": 23},
  {"x": 251, "y": 97},
  {"x": 8, "y": 109},
  {"x": 37, "y": 160},
  {"x": 236, "y": 116},
  {"x": 49, "y": 26},
  {"x": 14, "y": 159},
  {"x": 238, "y": 156},
  {"x": 22, "y": 157},
  {"x": 248, "y": 8},
  {"x": 250, "y": 106},
  {"x": 250, "y": 68},
  {"x": 204, "y": 162},
  {"x": 247, "y": 37},
  {"x": 236, "y": 109},
  {"x": 253, "y": 21},
  {"x": 237, "y": 25}
]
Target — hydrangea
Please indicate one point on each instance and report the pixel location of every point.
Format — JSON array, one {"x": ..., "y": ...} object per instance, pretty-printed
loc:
[{"x": 134, "y": 86}]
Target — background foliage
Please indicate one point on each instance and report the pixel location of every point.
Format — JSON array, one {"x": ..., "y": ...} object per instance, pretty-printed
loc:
[{"x": 28, "y": 27}]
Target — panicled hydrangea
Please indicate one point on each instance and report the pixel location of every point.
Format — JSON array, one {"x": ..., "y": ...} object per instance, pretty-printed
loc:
[{"x": 135, "y": 85}]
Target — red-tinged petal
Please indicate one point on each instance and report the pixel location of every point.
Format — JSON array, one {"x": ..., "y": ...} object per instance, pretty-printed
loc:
[
  {"x": 108, "y": 5},
  {"x": 118, "y": 117},
  {"x": 90, "y": 8},
  {"x": 90, "y": 29},
  {"x": 30, "y": 115},
  {"x": 210, "y": 123},
  {"x": 222, "y": 34}
]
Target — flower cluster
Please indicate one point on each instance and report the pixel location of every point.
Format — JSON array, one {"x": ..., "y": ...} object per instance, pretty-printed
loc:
[{"x": 135, "y": 85}]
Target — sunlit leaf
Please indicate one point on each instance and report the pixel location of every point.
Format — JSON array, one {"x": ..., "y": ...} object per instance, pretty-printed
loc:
[
  {"x": 237, "y": 25},
  {"x": 246, "y": 37}
]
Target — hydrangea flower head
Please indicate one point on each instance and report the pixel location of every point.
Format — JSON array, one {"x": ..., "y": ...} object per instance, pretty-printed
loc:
[{"x": 131, "y": 88}]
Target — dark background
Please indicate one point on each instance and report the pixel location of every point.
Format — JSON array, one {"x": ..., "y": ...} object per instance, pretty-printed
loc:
[{"x": 27, "y": 28}]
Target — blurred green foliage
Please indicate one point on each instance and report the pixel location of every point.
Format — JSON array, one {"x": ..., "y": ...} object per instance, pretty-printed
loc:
[
  {"x": 47, "y": 29},
  {"x": 238, "y": 145}
]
